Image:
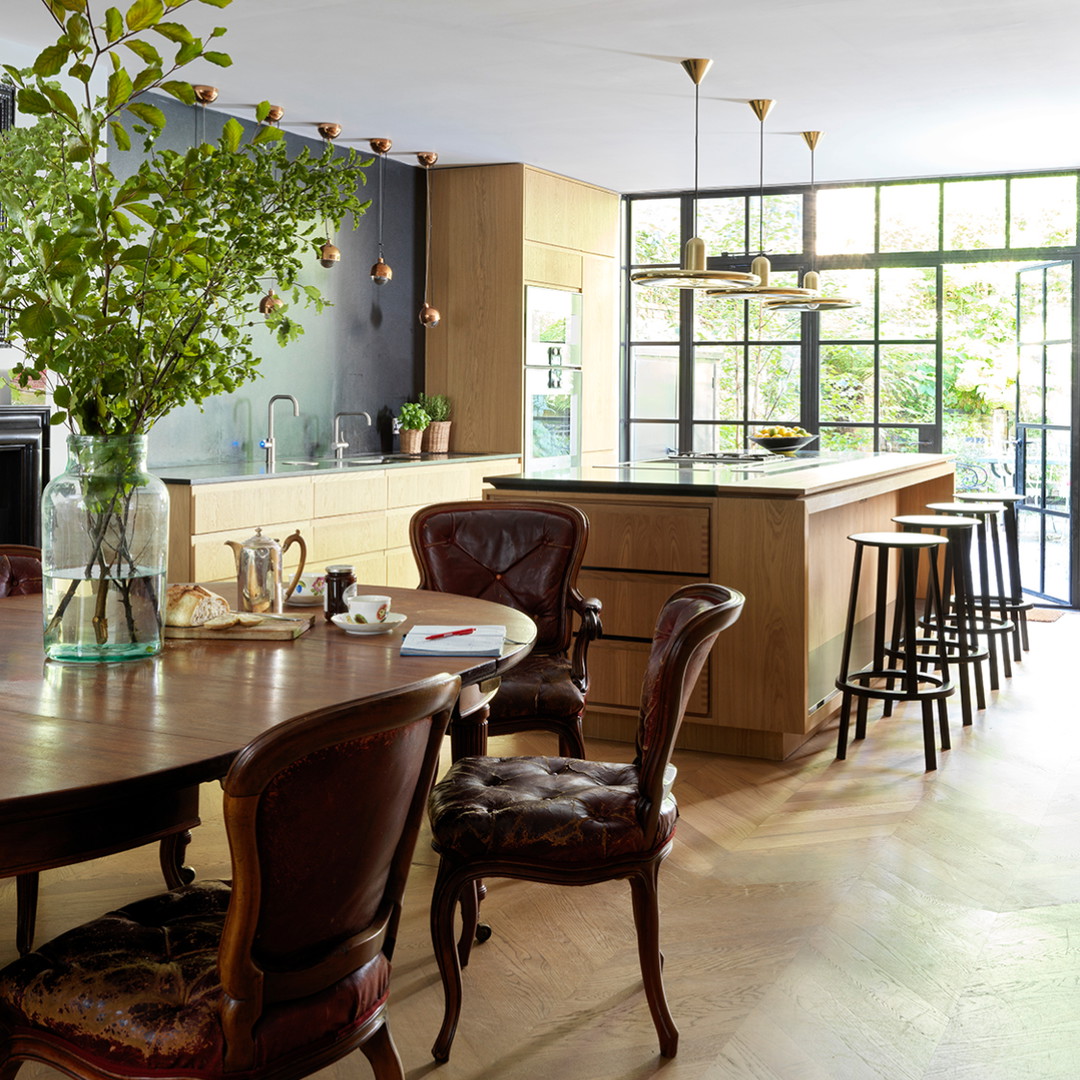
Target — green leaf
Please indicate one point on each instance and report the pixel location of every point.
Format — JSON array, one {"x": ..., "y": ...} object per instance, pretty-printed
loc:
[
  {"x": 32, "y": 103},
  {"x": 145, "y": 52},
  {"x": 180, "y": 90},
  {"x": 72, "y": 5},
  {"x": 187, "y": 52},
  {"x": 216, "y": 3},
  {"x": 120, "y": 90},
  {"x": 149, "y": 114},
  {"x": 62, "y": 396},
  {"x": 146, "y": 213},
  {"x": 231, "y": 134},
  {"x": 221, "y": 59},
  {"x": 81, "y": 71},
  {"x": 14, "y": 74},
  {"x": 267, "y": 134},
  {"x": 143, "y": 14},
  {"x": 218, "y": 31},
  {"x": 35, "y": 321},
  {"x": 174, "y": 31},
  {"x": 61, "y": 102},
  {"x": 79, "y": 36},
  {"x": 51, "y": 61},
  {"x": 77, "y": 152},
  {"x": 144, "y": 80},
  {"x": 262, "y": 110},
  {"x": 114, "y": 24}
]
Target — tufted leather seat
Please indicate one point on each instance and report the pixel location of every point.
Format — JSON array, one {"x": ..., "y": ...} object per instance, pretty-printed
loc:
[
  {"x": 525, "y": 555},
  {"x": 553, "y": 810},
  {"x": 572, "y": 822},
  {"x": 286, "y": 969},
  {"x": 20, "y": 570}
]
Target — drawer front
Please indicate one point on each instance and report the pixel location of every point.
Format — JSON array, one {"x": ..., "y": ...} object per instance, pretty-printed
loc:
[
  {"x": 401, "y": 568},
  {"x": 627, "y": 536},
  {"x": 354, "y": 493},
  {"x": 616, "y": 669},
  {"x": 426, "y": 484},
  {"x": 333, "y": 538},
  {"x": 478, "y": 470},
  {"x": 631, "y": 601},
  {"x": 369, "y": 568},
  {"x": 244, "y": 505}
]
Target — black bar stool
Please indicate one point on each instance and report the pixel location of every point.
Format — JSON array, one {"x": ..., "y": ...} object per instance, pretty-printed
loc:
[
  {"x": 1015, "y": 603},
  {"x": 956, "y": 636},
  {"x": 993, "y": 618},
  {"x": 897, "y": 661}
]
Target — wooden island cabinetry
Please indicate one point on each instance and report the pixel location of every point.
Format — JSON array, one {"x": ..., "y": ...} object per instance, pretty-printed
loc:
[
  {"x": 778, "y": 535},
  {"x": 350, "y": 515},
  {"x": 495, "y": 230}
]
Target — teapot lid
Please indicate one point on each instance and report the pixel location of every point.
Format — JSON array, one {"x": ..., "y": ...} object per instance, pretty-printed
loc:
[{"x": 260, "y": 541}]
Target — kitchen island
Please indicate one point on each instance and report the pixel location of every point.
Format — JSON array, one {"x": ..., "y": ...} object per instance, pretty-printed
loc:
[{"x": 777, "y": 531}]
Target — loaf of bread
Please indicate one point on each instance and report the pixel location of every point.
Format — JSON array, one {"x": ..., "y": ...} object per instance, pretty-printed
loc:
[{"x": 192, "y": 605}]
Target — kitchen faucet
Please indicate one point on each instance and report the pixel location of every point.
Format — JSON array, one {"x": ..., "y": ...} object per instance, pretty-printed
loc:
[
  {"x": 338, "y": 446},
  {"x": 268, "y": 443}
]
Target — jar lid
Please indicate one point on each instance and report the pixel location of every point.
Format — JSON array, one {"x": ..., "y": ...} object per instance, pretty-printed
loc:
[{"x": 339, "y": 569}]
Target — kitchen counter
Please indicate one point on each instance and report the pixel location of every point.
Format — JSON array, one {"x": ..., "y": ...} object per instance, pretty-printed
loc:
[
  {"x": 223, "y": 472},
  {"x": 778, "y": 533}
]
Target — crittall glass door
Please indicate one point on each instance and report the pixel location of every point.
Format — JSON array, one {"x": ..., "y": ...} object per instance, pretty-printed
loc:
[{"x": 1044, "y": 409}]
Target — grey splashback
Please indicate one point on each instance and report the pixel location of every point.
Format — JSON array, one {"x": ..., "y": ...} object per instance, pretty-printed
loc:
[{"x": 364, "y": 353}]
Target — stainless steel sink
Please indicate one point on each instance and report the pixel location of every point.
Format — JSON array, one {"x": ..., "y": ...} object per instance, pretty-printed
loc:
[{"x": 359, "y": 461}]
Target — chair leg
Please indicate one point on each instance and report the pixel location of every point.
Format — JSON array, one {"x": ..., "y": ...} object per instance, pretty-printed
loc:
[
  {"x": 382, "y": 1054},
  {"x": 444, "y": 900},
  {"x": 26, "y": 897},
  {"x": 470, "y": 922},
  {"x": 171, "y": 851},
  {"x": 572, "y": 741},
  {"x": 647, "y": 920},
  {"x": 845, "y": 722}
]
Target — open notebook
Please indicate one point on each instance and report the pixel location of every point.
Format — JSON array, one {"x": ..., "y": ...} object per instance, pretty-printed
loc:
[{"x": 483, "y": 641}]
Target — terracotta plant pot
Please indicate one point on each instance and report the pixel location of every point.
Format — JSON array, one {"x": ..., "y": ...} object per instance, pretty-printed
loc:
[
  {"x": 411, "y": 440},
  {"x": 437, "y": 437}
]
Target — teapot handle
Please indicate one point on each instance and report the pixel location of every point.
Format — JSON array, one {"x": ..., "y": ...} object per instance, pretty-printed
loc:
[{"x": 296, "y": 538}]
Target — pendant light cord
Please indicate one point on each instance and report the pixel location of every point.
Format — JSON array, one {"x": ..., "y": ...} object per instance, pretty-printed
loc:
[
  {"x": 761, "y": 187},
  {"x": 697, "y": 136},
  {"x": 382, "y": 188},
  {"x": 427, "y": 248}
]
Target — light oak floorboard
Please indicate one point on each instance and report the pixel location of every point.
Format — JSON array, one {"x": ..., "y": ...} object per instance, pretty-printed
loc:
[{"x": 821, "y": 920}]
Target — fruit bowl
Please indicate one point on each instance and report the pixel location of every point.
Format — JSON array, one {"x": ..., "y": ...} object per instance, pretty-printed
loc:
[{"x": 783, "y": 444}]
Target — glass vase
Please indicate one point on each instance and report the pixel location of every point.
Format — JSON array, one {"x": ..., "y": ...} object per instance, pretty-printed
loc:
[{"x": 104, "y": 549}]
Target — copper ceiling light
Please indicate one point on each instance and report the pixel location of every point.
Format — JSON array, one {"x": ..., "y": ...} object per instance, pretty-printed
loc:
[
  {"x": 381, "y": 272},
  {"x": 204, "y": 95},
  {"x": 328, "y": 131},
  {"x": 329, "y": 255},
  {"x": 693, "y": 273},
  {"x": 810, "y": 278},
  {"x": 761, "y": 267},
  {"x": 270, "y": 303},
  {"x": 275, "y": 114},
  {"x": 429, "y": 316}
]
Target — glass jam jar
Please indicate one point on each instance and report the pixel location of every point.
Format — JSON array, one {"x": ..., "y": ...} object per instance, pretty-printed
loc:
[{"x": 338, "y": 578}]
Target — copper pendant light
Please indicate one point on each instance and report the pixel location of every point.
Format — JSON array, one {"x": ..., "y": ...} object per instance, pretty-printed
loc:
[
  {"x": 429, "y": 316},
  {"x": 810, "y": 278},
  {"x": 329, "y": 255},
  {"x": 761, "y": 267},
  {"x": 693, "y": 274},
  {"x": 381, "y": 273},
  {"x": 270, "y": 303}
]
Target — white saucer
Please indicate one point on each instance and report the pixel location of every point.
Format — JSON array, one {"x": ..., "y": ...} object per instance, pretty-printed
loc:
[
  {"x": 393, "y": 619},
  {"x": 305, "y": 600}
]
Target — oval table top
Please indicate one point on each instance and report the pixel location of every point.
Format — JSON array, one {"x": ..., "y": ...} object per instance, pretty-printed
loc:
[{"x": 71, "y": 730}]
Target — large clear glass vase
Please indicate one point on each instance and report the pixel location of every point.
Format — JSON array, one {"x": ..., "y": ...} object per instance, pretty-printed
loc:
[{"x": 104, "y": 549}]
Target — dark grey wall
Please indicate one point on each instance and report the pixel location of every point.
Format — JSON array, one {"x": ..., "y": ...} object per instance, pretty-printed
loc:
[{"x": 364, "y": 353}]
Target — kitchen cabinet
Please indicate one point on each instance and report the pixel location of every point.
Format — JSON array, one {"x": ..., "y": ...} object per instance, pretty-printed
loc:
[
  {"x": 355, "y": 516},
  {"x": 495, "y": 230}
]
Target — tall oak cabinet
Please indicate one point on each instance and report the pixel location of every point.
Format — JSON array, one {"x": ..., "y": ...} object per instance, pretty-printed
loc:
[{"x": 495, "y": 230}]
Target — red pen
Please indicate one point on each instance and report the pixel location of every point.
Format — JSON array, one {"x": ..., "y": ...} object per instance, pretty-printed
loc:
[{"x": 451, "y": 633}]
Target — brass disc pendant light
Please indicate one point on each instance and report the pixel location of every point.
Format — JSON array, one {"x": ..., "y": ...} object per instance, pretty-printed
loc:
[
  {"x": 380, "y": 272},
  {"x": 761, "y": 267},
  {"x": 810, "y": 278},
  {"x": 429, "y": 316},
  {"x": 693, "y": 273}
]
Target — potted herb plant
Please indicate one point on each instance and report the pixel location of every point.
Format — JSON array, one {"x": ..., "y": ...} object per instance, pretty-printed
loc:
[
  {"x": 437, "y": 433},
  {"x": 131, "y": 295},
  {"x": 412, "y": 420}
]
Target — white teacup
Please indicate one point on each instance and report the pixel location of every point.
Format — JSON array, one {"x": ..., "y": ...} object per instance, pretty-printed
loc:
[{"x": 368, "y": 609}]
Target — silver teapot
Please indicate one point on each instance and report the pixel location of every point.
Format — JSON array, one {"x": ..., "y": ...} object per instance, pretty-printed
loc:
[{"x": 259, "y": 571}]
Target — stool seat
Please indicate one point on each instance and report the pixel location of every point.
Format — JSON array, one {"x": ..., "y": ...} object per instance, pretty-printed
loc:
[
  {"x": 961, "y": 508},
  {"x": 897, "y": 540},
  {"x": 989, "y": 496},
  {"x": 935, "y": 521}
]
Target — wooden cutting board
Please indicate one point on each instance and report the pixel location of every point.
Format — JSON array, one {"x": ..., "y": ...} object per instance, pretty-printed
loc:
[{"x": 267, "y": 630}]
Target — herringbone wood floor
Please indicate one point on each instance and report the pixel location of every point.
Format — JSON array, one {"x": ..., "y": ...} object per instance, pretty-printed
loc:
[{"x": 822, "y": 920}]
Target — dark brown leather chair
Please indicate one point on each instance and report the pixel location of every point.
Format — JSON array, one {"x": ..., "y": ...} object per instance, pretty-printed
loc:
[
  {"x": 573, "y": 822},
  {"x": 526, "y": 555},
  {"x": 285, "y": 971},
  {"x": 20, "y": 570}
]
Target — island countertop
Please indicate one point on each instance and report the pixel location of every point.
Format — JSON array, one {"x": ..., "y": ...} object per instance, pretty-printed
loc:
[{"x": 801, "y": 475}]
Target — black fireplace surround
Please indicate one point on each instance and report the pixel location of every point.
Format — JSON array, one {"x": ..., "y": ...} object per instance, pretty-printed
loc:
[{"x": 24, "y": 470}]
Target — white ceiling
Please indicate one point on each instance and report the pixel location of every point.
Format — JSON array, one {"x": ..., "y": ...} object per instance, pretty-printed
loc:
[{"x": 593, "y": 88}]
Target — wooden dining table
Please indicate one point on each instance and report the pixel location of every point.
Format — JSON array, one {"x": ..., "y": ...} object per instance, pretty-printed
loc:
[{"x": 100, "y": 758}]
